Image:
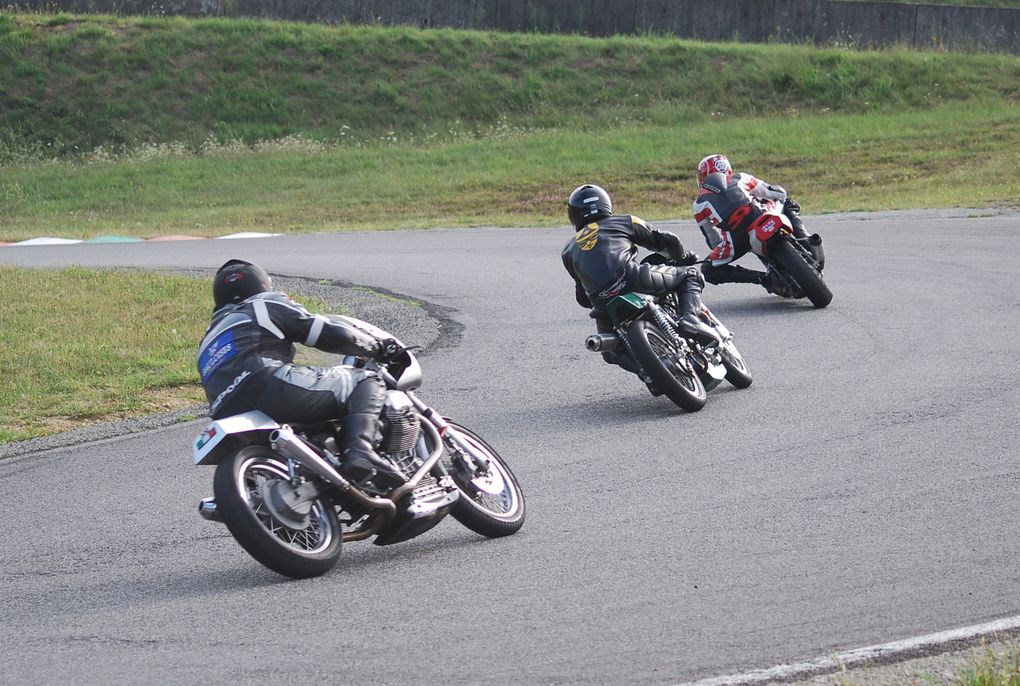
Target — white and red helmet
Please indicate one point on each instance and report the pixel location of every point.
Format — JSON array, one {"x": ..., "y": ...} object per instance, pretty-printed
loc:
[{"x": 714, "y": 164}]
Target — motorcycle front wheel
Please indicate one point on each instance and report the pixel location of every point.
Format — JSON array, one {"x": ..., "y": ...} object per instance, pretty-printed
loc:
[
  {"x": 298, "y": 549},
  {"x": 737, "y": 371},
  {"x": 806, "y": 276},
  {"x": 658, "y": 357},
  {"x": 491, "y": 505}
]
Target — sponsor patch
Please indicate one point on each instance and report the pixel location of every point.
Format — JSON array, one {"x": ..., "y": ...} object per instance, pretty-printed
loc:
[{"x": 216, "y": 353}]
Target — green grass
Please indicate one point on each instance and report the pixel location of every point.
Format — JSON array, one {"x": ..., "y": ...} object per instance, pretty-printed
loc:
[
  {"x": 989, "y": 667},
  {"x": 70, "y": 84},
  {"x": 153, "y": 126},
  {"x": 949, "y": 156},
  {"x": 92, "y": 345}
]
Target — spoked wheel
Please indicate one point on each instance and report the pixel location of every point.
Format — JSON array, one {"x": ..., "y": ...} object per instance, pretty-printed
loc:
[
  {"x": 295, "y": 544},
  {"x": 806, "y": 276},
  {"x": 493, "y": 504},
  {"x": 737, "y": 372},
  {"x": 660, "y": 359}
]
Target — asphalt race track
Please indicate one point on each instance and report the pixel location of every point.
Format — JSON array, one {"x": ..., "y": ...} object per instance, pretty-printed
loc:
[{"x": 864, "y": 489}]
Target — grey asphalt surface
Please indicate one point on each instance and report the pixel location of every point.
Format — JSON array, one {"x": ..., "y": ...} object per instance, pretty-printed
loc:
[{"x": 864, "y": 489}]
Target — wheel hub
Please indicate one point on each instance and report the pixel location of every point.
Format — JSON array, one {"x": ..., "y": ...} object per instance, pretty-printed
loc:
[{"x": 287, "y": 504}]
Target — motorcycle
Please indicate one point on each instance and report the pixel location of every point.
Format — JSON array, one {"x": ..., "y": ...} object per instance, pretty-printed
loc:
[
  {"x": 797, "y": 262},
  {"x": 678, "y": 365},
  {"x": 278, "y": 489}
]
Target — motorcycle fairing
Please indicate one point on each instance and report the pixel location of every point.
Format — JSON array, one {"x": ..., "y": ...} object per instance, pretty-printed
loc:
[
  {"x": 764, "y": 228},
  {"x": 211, "y": 445}
]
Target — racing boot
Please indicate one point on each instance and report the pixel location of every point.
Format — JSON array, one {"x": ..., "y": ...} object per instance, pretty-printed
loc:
[
  {"x": 777, "y": 285},
  {"x": 733, "y": 273},
  {"x": 360, "y": 462},
  {"x": 692, "y": 324}
]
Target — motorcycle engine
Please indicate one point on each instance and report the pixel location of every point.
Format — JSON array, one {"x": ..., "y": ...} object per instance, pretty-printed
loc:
[{"x": 399, "y": 426}]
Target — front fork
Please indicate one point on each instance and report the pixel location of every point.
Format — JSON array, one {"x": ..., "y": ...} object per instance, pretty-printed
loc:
[{"x": 463, "y": 454}]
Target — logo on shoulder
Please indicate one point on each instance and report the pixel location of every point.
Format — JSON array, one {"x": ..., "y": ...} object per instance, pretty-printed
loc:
[{"x": 587, "y": 237}]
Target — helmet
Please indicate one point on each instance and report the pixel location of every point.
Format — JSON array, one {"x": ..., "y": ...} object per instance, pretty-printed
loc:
[
  {"x": 238, "y": 280},
  {"x": 588, "y": 203},
  {"x": 713, "y": 164}
]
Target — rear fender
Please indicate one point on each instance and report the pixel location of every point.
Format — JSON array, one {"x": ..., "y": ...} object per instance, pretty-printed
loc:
[
  {"x": 223, "y": 436},
  {"x": 625, "y": 307}
]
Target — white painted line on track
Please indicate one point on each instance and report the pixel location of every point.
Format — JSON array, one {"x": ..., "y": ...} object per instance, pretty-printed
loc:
[{"x": 884, "y": 652}]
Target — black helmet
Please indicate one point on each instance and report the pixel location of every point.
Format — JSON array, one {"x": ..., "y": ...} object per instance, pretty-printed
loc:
[
  {"x": 238, "y": 280},
  {"x": 588, "y": 203}
]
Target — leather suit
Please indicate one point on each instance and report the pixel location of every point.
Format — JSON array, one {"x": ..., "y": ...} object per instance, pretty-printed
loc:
[
  {"x": 600, "y": 257},
  {"x": 725, "y": 218},
  {"x": 246, "y": 360}
]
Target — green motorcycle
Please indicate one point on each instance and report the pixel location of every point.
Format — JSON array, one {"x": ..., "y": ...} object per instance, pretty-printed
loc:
[{"x": 675, "y": 363}]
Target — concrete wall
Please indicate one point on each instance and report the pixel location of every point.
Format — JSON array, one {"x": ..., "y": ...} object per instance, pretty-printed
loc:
[{"x": 862, "y": 24}]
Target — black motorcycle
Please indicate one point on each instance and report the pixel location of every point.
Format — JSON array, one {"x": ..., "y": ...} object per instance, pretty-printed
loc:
[{"x": 279, "y": 491}]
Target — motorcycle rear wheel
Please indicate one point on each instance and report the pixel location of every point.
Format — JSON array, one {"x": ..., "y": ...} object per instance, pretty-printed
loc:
[
  {"x": 240, "y": 481},
  {"x": 657, "y": 356},
  {"x": 806, "y": 276},
  {"x": 489, "y": 514}
]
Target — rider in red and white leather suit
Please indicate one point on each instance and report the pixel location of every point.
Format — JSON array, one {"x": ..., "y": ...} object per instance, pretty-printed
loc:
[{"x": 726, "y": 209}]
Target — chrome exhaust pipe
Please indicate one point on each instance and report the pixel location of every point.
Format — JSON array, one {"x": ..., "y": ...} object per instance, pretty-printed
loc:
[
  {"x": 207, "y": 508},
  {"x": 815, "y": 243},
  {"x": 284, "y": 441},
  {"x": 603, "y": 342}
]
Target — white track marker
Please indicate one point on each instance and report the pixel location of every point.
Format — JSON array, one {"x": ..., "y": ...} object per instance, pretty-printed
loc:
[{"x": 883, "y": 653}]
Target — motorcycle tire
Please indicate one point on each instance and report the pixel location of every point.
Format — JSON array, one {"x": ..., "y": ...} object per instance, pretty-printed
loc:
[
  {"x": 656, "y": 354},
  {"x": 239, "y": 483},
  {"x": 490, "y": 514},
  {"x": 806, "y": 276},
  {"x": 737, "y": 371}
]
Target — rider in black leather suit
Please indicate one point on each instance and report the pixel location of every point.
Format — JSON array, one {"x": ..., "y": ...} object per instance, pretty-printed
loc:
[
  {"x": 246, "y": 362},
  {"x": 600, "y": 258}
]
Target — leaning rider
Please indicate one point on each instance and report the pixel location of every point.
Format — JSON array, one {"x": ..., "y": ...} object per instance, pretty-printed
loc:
[
  {"x": 726, "y": 207},
  {"x": 601, "y": 259},
  {"x": 246, "y": 362}
]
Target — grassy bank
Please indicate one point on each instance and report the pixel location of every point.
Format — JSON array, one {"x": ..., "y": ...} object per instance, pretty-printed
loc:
[
  {"x": 74, "y": 83},
  {"x": 954, "y": 155}
]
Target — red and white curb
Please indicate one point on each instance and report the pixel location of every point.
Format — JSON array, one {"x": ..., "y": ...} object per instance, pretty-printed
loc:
[{"x": 883, "y": 653}]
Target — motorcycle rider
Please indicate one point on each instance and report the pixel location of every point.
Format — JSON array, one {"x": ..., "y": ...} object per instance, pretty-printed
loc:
[
  {"x": 600, "y": 259},
  {"x": 246, "y": 362},
  {"x": 726, "y": 207}
]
